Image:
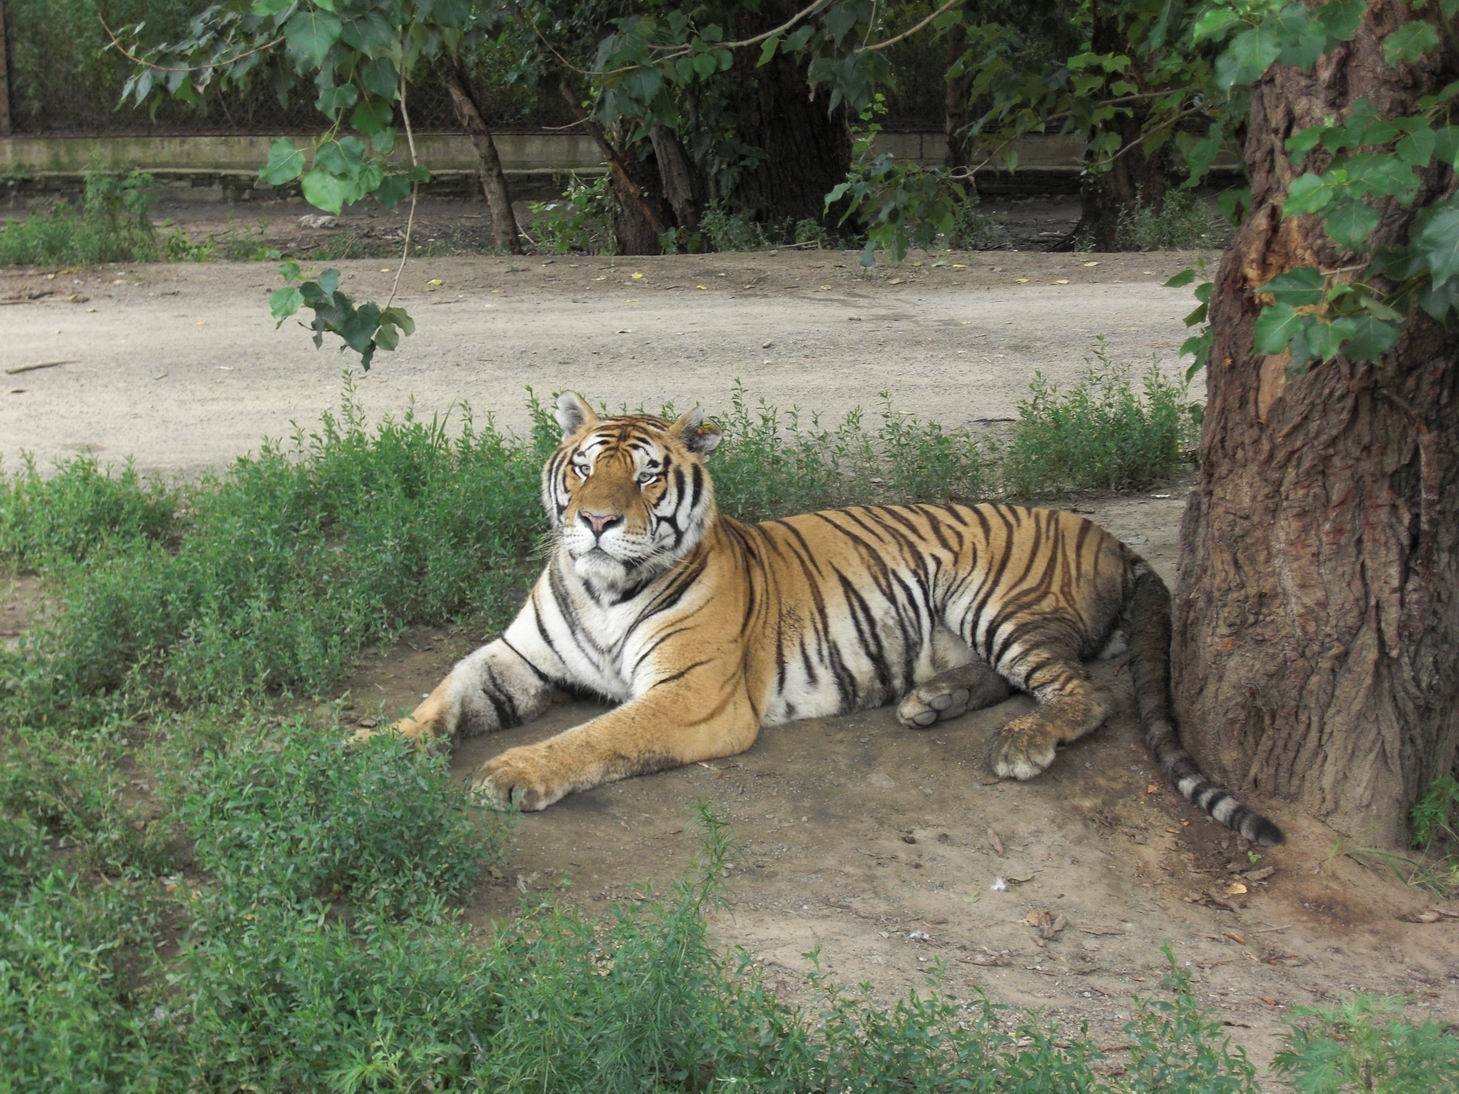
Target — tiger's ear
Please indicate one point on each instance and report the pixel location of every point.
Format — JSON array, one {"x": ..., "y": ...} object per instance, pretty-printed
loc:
[
  {"x": 699, "y": 436},
  {"x": 573, "y": 413}
]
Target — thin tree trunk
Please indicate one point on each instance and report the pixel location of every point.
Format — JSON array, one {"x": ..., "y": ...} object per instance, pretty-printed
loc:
[
  {"x": 1317, "y": 617},
  {"x": 504, "y": 231},
  {"x": 1135, "y": 177},
  {"x": 683, "y": 184},
  {"x": 644, "y": 215}
]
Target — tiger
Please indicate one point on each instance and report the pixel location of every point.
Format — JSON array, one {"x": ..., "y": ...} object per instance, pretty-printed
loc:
[{"x": 704, "y": 628}]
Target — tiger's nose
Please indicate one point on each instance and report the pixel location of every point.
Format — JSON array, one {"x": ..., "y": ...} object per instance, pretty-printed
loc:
[{"x": 599, "y": 522}]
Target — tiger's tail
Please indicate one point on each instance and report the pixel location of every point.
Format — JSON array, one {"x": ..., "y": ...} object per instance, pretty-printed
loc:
[{"x": 1147, "y": 617}]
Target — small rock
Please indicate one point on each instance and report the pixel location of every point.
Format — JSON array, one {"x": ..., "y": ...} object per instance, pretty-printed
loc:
[{"x": 317, "y": 220}]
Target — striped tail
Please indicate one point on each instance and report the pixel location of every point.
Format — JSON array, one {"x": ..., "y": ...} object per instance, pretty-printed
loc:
[{"x": 1147, "y": 616}]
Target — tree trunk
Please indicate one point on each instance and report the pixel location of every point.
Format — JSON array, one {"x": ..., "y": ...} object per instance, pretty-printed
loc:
[
  {"x": 1317, "y": 616},
  {"x": 1134, "y": 177},
  {"x": 956, "y": 93},
  {"x": 804, "y": 149},
  {"x": 643, "y": 212},
  {"x": 683, "y": 184},
  {"x": 504, "y": 231}
]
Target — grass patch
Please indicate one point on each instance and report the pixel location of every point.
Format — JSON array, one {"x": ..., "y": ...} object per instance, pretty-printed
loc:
[
  {"x": 375, "y": 825},
  {"x": 1099, "y": 433},
  {"x": 112, "y": 224},
  {"x": 1366, "y": 1043},
  {"x": 1180, "y": 221}
]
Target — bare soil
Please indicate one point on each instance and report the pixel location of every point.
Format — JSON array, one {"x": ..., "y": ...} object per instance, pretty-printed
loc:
[{"x": 878, "y": 846}]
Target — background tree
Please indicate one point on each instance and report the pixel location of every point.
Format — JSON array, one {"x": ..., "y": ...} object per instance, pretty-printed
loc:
[{"x": 1317, "y": 627}]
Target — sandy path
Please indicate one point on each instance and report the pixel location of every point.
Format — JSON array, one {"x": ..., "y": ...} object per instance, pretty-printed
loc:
[{"x": 180, "y": 366}]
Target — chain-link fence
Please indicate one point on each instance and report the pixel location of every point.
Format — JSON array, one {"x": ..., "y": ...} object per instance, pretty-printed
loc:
[{"x": 65, "y": 79}]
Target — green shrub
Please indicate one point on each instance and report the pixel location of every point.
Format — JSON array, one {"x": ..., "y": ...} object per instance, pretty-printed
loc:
[
  {"x": 1098, "y": 434},
  {"x": 301, "y": 815},
  {"x": 79, "y": 512},
  {"x": 112, "y": 225},
  {"x": 726, "y": 230},
  {"x": 1178, "y": 1046},
  {"x": 70, "y": 790},
  {"x": 1434, "y": 815},
  {"x": 1363, "y": 1043},
  {"x": 1180, "y": 221},
  {"x": 69, "y": 1017},
  {"x": 974, "y": 230},
  {"x": 580, "y": 222}
]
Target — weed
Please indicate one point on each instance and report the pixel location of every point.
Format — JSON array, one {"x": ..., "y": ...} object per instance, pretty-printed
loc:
[
  {"x": 974, "y": 230},
  {"x": 808, "y": 232},
  {"x": 1180, "y": 221},
  {"x": 1436, "y": 813},
  {"x": 725, "y": 230},
  {"x": 299, "y": 815},
  {"x": 1178, "y": 1046},
  {"x": 581, "y": 222},
  {"x": 112, "y": 225},
  {"x": 1099, "y": 434},
  {"x": 1364, "y": 1043}
]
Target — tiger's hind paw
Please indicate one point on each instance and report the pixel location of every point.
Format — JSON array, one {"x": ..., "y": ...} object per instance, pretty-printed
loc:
[
  {"x": 929, "y": 703},
  {"x": 1023, "y": 748}
]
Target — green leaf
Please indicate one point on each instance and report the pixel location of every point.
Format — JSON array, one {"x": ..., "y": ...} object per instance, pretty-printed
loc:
[
  {"x": 1340, "y": 18},
  {"x": 1303, "y": 38},
  {"x": 1446, "y": 143},
  {"x": 1417, "y": 146},
  {"x": 392, "y": 190},
  {"x": 1307, "y": 194},
  {"x": 1325, "y": 339},
  {"x": 285, "y": 162},
  {"x": 1371, "y": 338},
  {"x": 418, "y": 173},
  {"x": 1437, "y": 240},
  {"x": 332, "y": 100},
  {"x": 1185, "y": 277},
  {"x": 285, "y": 302},
  {"x": 767, "y": 51},
  {"x": 1350, "y": 223},
  {"x": 1382, "y": 174},
  {"x": 1301, "y": 287},
  {"x": 1441, "y": 301},
  {"x": 1250, "y": 54},
  {"x": 325, "y": 191},
  {"x": 1276, "y": 326},
  {"x": 329, "y": 281},
  {"x": 372, "y": 116},
  {"x": 270, "y": 7},
  {"x": 1410, "y": 42},
  {"x": 289, "y": 270},
  {"x": 308, "y": 36},
  {"x": 1214, "y": 24},
  {"x": 705, "y": 65},
  {"x": 1302, "y": 142},
  {"x": 381, "y": 78}
]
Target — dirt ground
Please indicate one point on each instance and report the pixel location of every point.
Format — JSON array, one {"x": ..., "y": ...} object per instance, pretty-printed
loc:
[{"x": 879, "y": 846}]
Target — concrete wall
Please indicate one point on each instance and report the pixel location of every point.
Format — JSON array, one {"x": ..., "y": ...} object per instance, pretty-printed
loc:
[{"x": 521, "y": 153}]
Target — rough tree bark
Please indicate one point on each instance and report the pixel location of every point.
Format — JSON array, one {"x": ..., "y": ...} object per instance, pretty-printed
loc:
[
  {"x": 1317, "y": 616},
  {"x": 1134, "y": 177},
  {"x": 504, "y": 231},
  {"x": 805, "y": 149},
  {"x": 638, "y": 190}
]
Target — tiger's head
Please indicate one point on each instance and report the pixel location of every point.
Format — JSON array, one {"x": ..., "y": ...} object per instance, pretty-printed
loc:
[{"x": 628, "y": 496}]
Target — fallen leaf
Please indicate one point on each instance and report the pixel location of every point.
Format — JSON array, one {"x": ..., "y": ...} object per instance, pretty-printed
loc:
[
  {"x": 1088, "y": 264},
  {"x": 1235, "y": 888},
  {"x": 1260, "y": 875},
  {"x": 995, "y": 842},
  {"x": 1047, "y": 923},
  {"x": 1020, "y": 281},
  {"x": 959, "y": 265},
  {"x": 1062, "y": 281},
  {"x": 637, "y": 276},
  {"x": 1428, "y": 915},
  {"x": 434, "y": 283},
  {"x": 1237, "y": 937},
  {"x": 700, "y": 288},
  {"x": 1269, "y": 1000}
]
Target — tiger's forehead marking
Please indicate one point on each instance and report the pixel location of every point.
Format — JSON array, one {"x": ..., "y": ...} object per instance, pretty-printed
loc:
[{"x": 644, "y": 436}]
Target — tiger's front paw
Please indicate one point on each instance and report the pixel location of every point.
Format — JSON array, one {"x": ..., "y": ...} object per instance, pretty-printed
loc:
[
  {"x": 1023, "y": 748},
  {"x": 417, "y": 733},
  {"x": 520, "y": 777}
]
